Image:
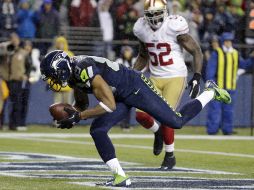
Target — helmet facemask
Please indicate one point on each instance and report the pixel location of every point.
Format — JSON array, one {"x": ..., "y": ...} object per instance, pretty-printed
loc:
[
  {"x": 155, "y": 18},
  {"x": 155, "y": 12}
]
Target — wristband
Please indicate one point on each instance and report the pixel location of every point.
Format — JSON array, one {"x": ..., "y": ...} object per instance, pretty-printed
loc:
[{"x": 106, "y": 108}]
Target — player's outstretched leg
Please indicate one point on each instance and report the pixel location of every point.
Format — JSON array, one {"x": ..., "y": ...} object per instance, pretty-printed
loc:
[
  {"x": 212, "y": 92},
  {"x": 148, "y": 122}
]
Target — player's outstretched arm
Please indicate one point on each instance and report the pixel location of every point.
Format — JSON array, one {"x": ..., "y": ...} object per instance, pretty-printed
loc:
[
  {"x": 190, "y": 45},
  {"x": 142, "y": 58},
  {"x": 103, "y": 93}
]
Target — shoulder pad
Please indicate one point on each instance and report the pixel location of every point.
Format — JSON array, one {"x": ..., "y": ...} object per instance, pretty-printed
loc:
[
  {"x": 138, "y": 26},
  {"x": 178, "y": 24}
]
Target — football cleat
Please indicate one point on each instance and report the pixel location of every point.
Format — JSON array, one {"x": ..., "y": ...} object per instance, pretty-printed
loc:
[
  {"x": 220, "y": 94},
  {"x": 169, "y": 161},
  {"x": 118, "y": 181},
  {"x": 158, "y": 142}
]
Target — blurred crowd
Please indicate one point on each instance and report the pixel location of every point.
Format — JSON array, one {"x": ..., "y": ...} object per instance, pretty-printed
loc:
[{"x": 43, "y": 18}]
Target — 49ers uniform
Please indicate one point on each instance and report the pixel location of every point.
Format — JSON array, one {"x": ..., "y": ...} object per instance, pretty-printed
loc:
[
  {"x": 167, "y": 68},
  {"x": 166, "y": 57}
]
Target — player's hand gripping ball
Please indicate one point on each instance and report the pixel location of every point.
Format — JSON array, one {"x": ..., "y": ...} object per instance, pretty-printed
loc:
[{"x": 65, "y": 115}]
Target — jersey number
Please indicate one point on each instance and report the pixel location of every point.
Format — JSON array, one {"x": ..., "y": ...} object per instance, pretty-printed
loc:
[
  {"x": 159, "y": 59},
  {"x": 112, "y": 65}
]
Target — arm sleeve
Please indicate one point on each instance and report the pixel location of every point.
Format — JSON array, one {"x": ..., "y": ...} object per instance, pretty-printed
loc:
[
  {"x": 211, "y": 67},
  {"x": 137, "y": 28}
]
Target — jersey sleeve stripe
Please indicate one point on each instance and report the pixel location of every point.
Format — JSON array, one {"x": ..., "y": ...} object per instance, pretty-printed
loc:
[{"x": 90, "y": 71}]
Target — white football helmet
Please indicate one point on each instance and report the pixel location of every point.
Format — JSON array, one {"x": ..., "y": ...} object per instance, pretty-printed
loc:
[{"x": 155, "y": 12}]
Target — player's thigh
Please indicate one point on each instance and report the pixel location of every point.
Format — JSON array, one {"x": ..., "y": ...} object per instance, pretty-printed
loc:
[
  {"x": 173, "y": 90},
  {"x": 157, "y": 87},
  {"x": 151, "y": 102},
  {"x": 106, "y": 121}
]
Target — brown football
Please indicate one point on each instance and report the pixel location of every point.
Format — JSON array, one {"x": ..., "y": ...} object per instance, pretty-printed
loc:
[{"x": 57, "y": 111}]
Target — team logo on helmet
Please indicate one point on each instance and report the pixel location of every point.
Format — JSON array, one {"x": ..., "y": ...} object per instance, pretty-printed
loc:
[{"x": 56, "y": 69}]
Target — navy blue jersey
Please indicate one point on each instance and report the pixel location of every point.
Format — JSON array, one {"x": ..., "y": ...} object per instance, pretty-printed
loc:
[{"x": 118, "y": 77}]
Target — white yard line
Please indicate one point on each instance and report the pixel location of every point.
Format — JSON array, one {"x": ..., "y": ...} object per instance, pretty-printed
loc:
[
  {"x": 121, "y": 136},
  {"x": 136, "y": 147}
]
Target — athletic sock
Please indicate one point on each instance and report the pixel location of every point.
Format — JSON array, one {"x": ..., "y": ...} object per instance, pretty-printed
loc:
[
  {"x": 115, "y": 167},
  {"x": 170, "y": 148},
  {"x": 146, "y": 121},
  {"x": 205, "y": 97},
  {"x": 155, "y": 127},
  {"x": 168, "y": 135}
]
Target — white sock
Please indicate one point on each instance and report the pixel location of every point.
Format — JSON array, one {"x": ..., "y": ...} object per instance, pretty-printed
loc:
[
  {"x": 205, "y": 97},
  {"x": 155, "y": 127},
  {"x": 170, "y": 147},
  {"x": 115, "y": 167}
]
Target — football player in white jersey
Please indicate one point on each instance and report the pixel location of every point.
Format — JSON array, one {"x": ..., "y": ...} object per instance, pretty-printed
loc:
[{"x": 162, "y": 38}]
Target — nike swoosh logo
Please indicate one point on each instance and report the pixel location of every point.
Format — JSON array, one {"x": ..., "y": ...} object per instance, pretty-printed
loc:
[{"x": 136, "y": 92}]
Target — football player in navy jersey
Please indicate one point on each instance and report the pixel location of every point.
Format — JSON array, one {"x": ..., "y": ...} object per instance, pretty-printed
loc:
[{"x": 117, "y": 88}]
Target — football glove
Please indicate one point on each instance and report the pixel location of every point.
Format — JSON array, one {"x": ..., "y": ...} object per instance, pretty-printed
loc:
[
  {"x": 74, "y": 117},
  {"x": 194, "y": 85}
]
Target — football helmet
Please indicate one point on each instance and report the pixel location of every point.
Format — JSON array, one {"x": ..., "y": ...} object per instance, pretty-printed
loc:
[
  {"x": 55, "y": 68},
  {"x": 155, "y": 12}
]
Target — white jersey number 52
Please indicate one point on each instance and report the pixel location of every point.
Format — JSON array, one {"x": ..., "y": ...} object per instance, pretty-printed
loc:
[{"x": 159, "y": 59}]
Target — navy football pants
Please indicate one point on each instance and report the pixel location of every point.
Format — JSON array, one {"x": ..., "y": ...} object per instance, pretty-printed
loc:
[{"x": 143, "y": 97}]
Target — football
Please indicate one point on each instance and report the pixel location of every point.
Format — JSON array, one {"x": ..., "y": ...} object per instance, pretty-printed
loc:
[{"x": 57, "y": 111}]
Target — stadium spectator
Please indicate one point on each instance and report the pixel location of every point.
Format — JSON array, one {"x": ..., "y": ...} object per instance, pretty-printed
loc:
[
  {"x": 224, "y": 19},
  {"x": 34, "y": 59},
  {"x": 27, "y": 20},
  {"x": 63, "y": 12},
  {"x": 126, "y": 16},
  {"x": 49, "y": 24},
  {"x": 26, "y": 84},
  {"x": 139, "y": 7},
  {"x": 8, "y": 22},
  {"x": 222, "y": 67},
  {"x": 48, "y": 21},
  {"x": 13, "y": 70},
  {"x": 36, "y": 4},
  {"x": 208, "y": 27},
  {"x": 4, "y": 93},
  {"x": 106, "y": 23},
  {"x": 82, "y": 13},
  {"x": 249, "y": 28},
  {"x": 127, "y": 59}
]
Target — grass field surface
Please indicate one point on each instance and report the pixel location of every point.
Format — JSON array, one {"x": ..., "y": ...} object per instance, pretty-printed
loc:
[{"x": 55, "y": 159}]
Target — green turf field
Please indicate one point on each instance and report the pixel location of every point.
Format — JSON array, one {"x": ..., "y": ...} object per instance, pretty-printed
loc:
[{"x": 55, "y": 159}]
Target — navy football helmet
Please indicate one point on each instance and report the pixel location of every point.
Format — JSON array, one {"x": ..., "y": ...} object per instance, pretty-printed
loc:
[{"x": 55, "y": 68}]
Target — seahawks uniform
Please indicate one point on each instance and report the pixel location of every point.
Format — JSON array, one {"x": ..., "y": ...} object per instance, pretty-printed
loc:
[{"x": 130, "y": 89}]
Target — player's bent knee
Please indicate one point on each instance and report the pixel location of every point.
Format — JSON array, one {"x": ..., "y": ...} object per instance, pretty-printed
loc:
[{"x": 176, "y": 124}]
